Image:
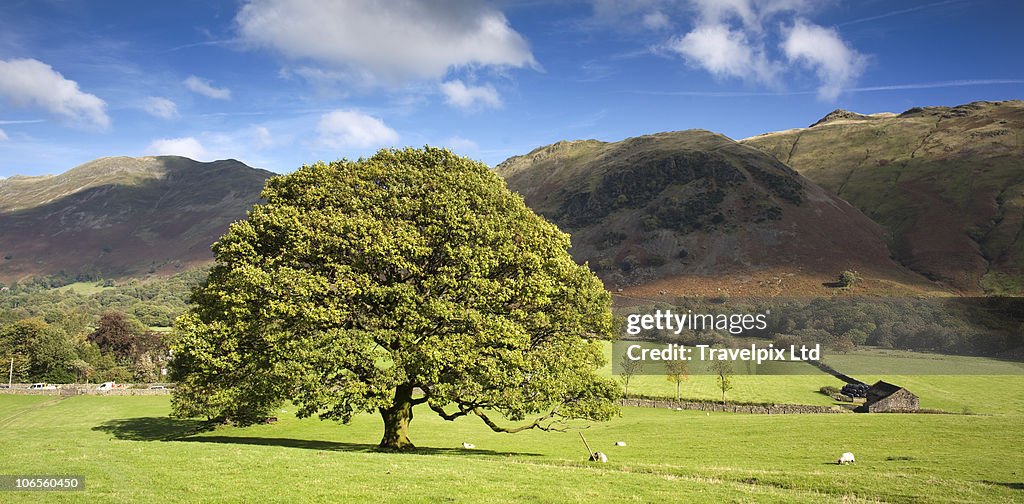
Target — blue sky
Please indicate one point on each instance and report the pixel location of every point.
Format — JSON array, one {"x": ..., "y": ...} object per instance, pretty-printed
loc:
[{"x": 280, "y": 83}]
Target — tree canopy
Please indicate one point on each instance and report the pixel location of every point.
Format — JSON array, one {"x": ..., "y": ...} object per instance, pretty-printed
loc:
[{"x": 411, "y": 277}]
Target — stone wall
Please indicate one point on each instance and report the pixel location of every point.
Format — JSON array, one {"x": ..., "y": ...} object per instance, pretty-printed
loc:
[
  {"x": 73, "y": 390},
  {"x": 757, "y": 409}
]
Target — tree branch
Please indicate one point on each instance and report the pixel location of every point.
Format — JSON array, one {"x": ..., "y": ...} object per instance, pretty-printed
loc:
[
  {"x": 537, "y": 424},
  {"x": 450, "y": 417}
]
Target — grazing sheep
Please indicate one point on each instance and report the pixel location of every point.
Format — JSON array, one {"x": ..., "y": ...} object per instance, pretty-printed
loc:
[
  {"x": 846, "y": 458},
  {"x": 599, "y": 457},
  {"x": 620, "y": 443},
  {"x": 468, "y": 446}
]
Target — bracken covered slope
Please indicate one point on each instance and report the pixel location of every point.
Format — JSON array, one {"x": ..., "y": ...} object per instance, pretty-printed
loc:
[
  {"x": 121, "y": 216},
  {"x": 694, "y": 212},
  {"x": 946, "y": 182}
]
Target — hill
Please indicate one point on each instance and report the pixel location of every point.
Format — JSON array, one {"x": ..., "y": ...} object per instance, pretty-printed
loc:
[
  {"x": 947, "y": 183},
  {"x": 694, "y": 212},
  {"x": 121, "y": 216}
]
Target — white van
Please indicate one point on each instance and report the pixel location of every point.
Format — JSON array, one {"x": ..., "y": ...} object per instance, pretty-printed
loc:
[
  {"x": 106, "y": 386},
  {"x": 42, "y": 386}
]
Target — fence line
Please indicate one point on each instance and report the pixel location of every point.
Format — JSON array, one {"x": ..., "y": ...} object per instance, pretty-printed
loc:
[{"x": 757, "y": 409}]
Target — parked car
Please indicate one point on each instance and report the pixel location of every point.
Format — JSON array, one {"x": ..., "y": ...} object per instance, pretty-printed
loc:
[
  {"x": 106, "y": 386},
  {"x": 157, "y": 387},
  {"x": 42, "y": 386}
]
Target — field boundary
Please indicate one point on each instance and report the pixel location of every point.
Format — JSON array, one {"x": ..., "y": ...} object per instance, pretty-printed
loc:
[
  {"x": 834, "y": 372},
  {"x": 755, "y": 409},
  {"x": 75, "y": 391}
]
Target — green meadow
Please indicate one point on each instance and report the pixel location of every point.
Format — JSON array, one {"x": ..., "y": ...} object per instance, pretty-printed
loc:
[
  {"x": 129, "y": 450},
  {"x": 943, "y": 382}
]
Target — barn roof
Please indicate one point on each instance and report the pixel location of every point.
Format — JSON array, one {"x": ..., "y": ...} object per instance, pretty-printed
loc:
[{"x": 884, "y": 389}]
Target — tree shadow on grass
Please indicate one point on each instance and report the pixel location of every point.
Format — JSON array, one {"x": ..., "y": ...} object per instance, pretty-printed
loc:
[
  {"x": 1012, "y": 486},
  {"x": 153, "y": 428},
  {"x": 172, "y": 429},
  {"x": 312, "y": 444}
]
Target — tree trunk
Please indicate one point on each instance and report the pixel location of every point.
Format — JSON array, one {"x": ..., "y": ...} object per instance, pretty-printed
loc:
[{"x": 396, "y": 420}]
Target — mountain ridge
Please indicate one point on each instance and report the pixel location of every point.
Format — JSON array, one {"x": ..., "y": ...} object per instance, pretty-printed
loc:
[
  {"x": 121, "y": 216},
  {"x": 693, "y": 211},
  {"x": 947, "y": 182}
]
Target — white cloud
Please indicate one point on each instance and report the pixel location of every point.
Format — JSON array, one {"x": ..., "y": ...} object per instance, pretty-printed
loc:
[
  {"x": 461, "y": 145},
  {"x": 835, "y": 64},
  {"x": 161, "y": 107},
  {"x": 335, "y": 83},
  {"x": 353, "y": 129},
  {"x": 730, "y": 39},
  {"x": 185, "y": 146},
  {"x": 386, "y": 41},
  {"x": 206, "y": 88},
  {"x": 3, "y": 136},
  {"x": 262, "y": 137},
  {"x": 724, "y": 53},
  {"x": 656, "y": 20},
  {"x": 721, "y": 11},
  {"x": 752, "y": 14},
  {"x": 27, "y": 82},
  {"x": 458, "y": 94},
  {"x": 635, "y": 17}
]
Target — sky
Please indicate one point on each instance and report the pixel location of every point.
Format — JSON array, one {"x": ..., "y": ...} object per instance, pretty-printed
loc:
[{"x": 282, "y": 83}]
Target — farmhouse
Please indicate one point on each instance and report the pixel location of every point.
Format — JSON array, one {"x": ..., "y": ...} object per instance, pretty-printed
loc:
[{"x": 888, "y": 398}]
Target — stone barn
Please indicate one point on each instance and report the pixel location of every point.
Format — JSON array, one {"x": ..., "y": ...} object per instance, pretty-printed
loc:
[{"x": 888, "y": 398}]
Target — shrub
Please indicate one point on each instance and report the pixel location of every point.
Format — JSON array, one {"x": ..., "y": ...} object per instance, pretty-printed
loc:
[
  {"x": 829, "y": 390},
  {"x": 847, "y": 278}
]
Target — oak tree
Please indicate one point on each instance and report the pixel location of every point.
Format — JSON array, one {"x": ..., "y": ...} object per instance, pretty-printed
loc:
[{"x": 411, "y": 278}]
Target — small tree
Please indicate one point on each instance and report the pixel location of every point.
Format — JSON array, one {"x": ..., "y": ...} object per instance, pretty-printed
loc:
[
  {"x": 847, "y": 278},
  {"x": 677, "y": 372},
  {"x": 628, "y": 368},
  {"x": 723, "y": 369},
  {"x": 115, "y": 334},
  {"x": 843, "y": 345},
  {"x": 414, "y": 277}
]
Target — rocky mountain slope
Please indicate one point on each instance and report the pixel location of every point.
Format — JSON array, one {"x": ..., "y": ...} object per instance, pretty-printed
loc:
[
  {"x": 947, "y": 183},
  {"x": 694, "y": 212},
  {"x": 121, "y": 216}
]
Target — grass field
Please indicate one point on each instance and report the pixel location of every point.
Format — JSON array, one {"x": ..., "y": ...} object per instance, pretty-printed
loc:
[
  {"x": 129, "y": 450},
  {"x": 947, "y": 388},
  {"x": 84, "y": 288},
  {"x": 877, "y": 361},
  {"x": 997, "y": 395}
]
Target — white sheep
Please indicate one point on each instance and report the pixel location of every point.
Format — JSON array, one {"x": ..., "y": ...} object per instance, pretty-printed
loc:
[
  {"x": 846, "y": 458},
  {"x": 468, "y": 446},
  {"x": 599, "y": 457},
  {"x": 620, "y": 443}
]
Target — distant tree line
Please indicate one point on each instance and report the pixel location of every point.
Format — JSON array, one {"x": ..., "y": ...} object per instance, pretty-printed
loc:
[
  {"x": 155, "y": 303},
  {"x": 119, "y": 349},
  {"x": 63, "y": 335}
]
